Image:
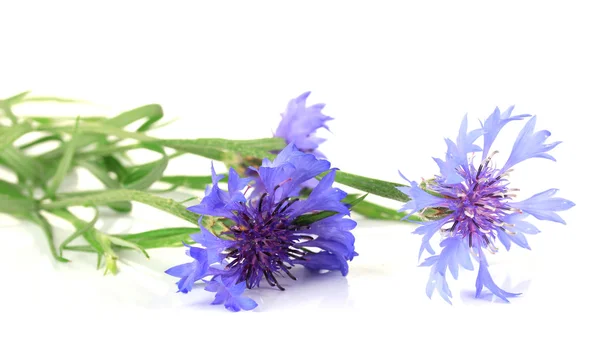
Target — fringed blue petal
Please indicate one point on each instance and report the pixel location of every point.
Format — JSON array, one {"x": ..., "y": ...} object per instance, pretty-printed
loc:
[
  {"x": 530, "y": 145},
  {"x": 544, "y": 206}
]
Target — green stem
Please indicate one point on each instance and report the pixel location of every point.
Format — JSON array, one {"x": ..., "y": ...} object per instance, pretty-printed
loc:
[
  {"x": 100, "y": 129},
  {"x": 111, "y": 196}
]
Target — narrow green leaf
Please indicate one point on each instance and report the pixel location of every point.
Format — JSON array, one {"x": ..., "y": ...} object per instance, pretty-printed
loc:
[
  {"x": 378, "y": 212},
  {"x": 102, "y": 175},
  {"x": 14, "y": 99},
  {"x": 102, "y": 129},
  {"x": 171, "y": 237},
  {"x": 353, "y": 201},
  {"x": 153, "y": 113},
  {"x": 47, "y": 228},
  {"x": 124, "y": 243},
  {"x": 11, "y": 134},
  {"x": 79, "y": 230},
  {"x": 111, "y": 126},
  {"x": 216, "y": 148},
  {"x": 111, "y": 196},
  {"x": 41, "y": 140},
  {"x": 22, "y": 164},
  {"x": 160, "y": 233},
  {"x": 307, "y": 219},
  {"x": 16, "y": 205},
  {"x": 42, "y": 99},
  {"x": 11, "y": 190},
  {"x": 143, "y": 177},
  {"x": 64, "y": 164},
  {"x": 82, "y": 248},
  {"x": 109, "y": 150},
  {"x": 62, "y": 119},
  {"x": 192, "y": 182},
  {"x": 90, "y": 235},
  {"x": 113, "y": 164},
  {"x": 371, "y": 185}
]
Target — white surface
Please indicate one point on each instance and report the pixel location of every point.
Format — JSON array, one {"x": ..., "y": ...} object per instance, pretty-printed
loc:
[{"x": 398, "y": 78}]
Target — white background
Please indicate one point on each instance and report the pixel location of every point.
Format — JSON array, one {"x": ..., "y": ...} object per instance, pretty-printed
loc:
[{"x": 397, "y": 77}]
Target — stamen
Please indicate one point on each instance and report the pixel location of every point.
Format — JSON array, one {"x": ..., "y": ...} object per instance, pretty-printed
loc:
[
  {"x": 260, "y": 202},
  {"x": 508, "y": 232},
  {"x": 489, "y": 207},
  {"x": 289, "y": 203}
]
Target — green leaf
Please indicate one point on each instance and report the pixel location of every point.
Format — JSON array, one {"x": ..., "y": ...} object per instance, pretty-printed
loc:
[
  {"x": 124, "y": 243},
  {"x": 11, "y": 134},
  {"x": 111, "y": 126},
  {"x": 42, "y": 99},
  {"x": 160, "y": 233},
  {"x": 153, "y": 112},
  {"x": 110, "y": 150},
  {"x": 14, "y": 99},
  {"x": 352, "y": 201},
  {"x": 82, "y": 248},
  {"x": 102, "y": 129},
  {"x": 55, "y": 119},
  {"x": 22, "y": 164},
  {"x": 144, "y": 176},
  {"x": 113, "y": 164},
  {"x": 16, "y": 205},
  {"x": 79, "y": 230},
  {"x": 102, "y": 175},
  {"x": 47, "y": 228},
  {"x": 378, "y": 212},
  {"x": 192, "y": 182},
  {"x": 307, "y": 219},
  {"x": 52, "y": 137},
  {"x": 217, "y": 148},
  {"x": 371, "y": 185},
  {"x": 64, "y": 164},
  {"x": 11, "y": 190},
  {"x": 169, "y": 237},
  {"x": 111, "y": 196}
]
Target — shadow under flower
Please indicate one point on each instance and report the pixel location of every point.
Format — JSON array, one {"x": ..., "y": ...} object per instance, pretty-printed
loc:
[{"x": 328, "y": 290}]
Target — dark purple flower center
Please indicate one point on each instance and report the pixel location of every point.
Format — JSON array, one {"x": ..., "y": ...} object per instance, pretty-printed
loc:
[{"x": 264, "y": 242}]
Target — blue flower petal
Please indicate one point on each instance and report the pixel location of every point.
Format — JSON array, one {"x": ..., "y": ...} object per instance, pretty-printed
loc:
[
  {"x": 218, "y": 202},
  {"x": 190, "y": 272},
  {"x": 484, "y": 279},
  {"x": 289, "y": 170},
  {"x": 214, "y": 245},
  {"x": 323, "y": 197},
  {"x": 429, "y": 229},
  {"x": 299, "y": 123},
  {"x": 324, "y": 261},
  {"x": 229, "y": 295},
  {"x": 544, "y": 206},
  {"x": 419, "y": 198},
  {"x": 493, "y": 124},
  {"x": 530, "y": 145}
]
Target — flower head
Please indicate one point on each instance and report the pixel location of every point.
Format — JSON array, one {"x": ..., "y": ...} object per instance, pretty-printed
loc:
[
  {"x": 271, "y": 230},
  {"x": 474, "y": 203},
  {"x": 300, "y": 122}
]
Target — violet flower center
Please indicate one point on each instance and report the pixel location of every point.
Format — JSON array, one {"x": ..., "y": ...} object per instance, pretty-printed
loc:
[
  {"x": 264, "y": 242},
  {"x": 479, "y": 204}
]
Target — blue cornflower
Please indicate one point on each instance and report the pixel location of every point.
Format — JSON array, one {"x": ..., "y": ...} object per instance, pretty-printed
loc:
[
  {"x": 472, "y": 205},
  {"x": 268, "y": 231},
  {"x": 299, "y": 124}
]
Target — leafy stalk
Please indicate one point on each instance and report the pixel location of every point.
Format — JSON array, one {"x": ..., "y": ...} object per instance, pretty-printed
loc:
[{"x": 111, "y": 196}]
